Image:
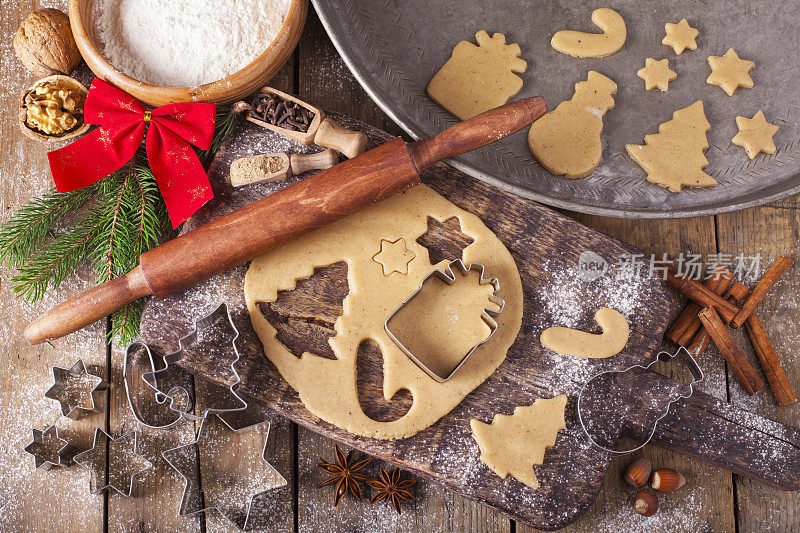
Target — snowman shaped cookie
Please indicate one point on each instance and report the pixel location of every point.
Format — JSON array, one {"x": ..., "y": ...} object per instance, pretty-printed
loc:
[{"x": 566, "y": 141}]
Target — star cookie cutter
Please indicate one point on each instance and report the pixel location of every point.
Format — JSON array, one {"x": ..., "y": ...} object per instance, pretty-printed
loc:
[
  {"x": 77, "y": 391},
  {"x": 185, "y": 397},
  {"x": 113, "y": 463},
  {"x": 685, "y": 392},
  {"x": 487, "y": 315},
  {"x": 187, "y": 460},
  {"x": 48, "y": 449}
]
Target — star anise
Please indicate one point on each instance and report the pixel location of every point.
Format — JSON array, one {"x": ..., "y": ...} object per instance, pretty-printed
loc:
[
  {"x": 391, "y": 488},
  {"x": 345, "y": 475}
]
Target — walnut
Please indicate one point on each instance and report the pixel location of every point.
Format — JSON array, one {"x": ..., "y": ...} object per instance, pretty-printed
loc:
[
  {"x": 53, "y": 107},
  {"x": 45, "y": 45}
]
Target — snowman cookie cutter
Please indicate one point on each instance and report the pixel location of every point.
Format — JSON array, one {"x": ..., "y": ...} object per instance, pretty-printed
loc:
[
  {"x": 487, "y": 315},
  {"x": 684, "y": 392}
]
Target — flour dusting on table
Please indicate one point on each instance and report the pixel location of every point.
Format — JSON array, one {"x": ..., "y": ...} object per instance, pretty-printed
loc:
[{"x": 186, "y": 42}]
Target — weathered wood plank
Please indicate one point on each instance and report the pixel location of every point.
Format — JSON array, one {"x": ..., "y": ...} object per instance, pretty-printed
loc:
[
  {"x": 770, "y": 231},
  {"x": 57, "y": 500},
  {"x": 707, "y": 501}
]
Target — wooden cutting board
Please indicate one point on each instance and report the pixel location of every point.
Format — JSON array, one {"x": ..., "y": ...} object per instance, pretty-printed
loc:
[{"x": 546, "y": 247}]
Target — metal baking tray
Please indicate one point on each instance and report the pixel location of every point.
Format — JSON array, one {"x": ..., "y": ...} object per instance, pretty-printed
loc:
[{"x": 394, "y": 47}]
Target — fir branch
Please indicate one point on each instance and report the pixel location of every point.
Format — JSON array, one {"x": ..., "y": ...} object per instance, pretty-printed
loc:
[
  {"x": 27, "y": 230},
  {"x": 55, "y": 260},
  {"x": 226, "y": 121}
]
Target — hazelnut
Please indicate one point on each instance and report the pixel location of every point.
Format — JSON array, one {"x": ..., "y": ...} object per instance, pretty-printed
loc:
[
  {"x": 45, "y": 45},
  {"x": 646, "y": 502},
  {"x": 667, "y": 480},
  {"x": 637, "y": 473}
]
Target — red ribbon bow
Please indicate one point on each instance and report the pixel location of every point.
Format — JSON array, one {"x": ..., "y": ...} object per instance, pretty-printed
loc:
[{"x": 181, "y": 178}]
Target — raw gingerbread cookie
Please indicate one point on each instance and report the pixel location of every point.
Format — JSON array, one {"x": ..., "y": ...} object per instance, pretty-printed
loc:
[
  {"x": 327, "y": 385},
  {"x": 680, "y": 36},
  {"x": 394, "y": 256},
  {"x": 580, "y": 44},
  {"x": 755, "y": 135},
  {"x": 569, "y": 341},
  {"x": 566, "y": 141},
  {"x": 656, "y": 74},
  {"x": 674, "y": 157},
  {"x": 730, "y": 72},
  {"x": 478, "y": 78},
  {"x": 512, "y": 444}
]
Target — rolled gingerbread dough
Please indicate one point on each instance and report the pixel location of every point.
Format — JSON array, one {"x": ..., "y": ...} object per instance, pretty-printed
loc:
[{"x": 327, "y": 387}]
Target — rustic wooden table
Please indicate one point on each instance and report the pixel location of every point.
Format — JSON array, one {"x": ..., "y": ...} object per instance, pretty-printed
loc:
[{"x": 712, "y": 500}]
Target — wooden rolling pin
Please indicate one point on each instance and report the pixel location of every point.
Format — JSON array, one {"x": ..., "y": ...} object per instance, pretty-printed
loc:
[{"x": 248, "y": 232}]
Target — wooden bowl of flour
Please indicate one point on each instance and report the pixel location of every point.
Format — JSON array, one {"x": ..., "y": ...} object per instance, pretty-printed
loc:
[{"x": 229, "y": 89}]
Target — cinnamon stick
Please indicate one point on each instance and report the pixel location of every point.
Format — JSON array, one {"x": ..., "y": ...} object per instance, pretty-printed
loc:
[
  {"x": 776, "y": 377},
  {"x": 687, "y": 324},
  {"x": 735, "y": 294},
  {"x": 700, "y": 294},
  {"x": 776, "y": 270},
  {"x": 742, "y": 369}
]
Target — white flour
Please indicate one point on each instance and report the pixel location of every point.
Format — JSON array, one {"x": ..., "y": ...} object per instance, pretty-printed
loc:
[{"x": 179, "y": 43}]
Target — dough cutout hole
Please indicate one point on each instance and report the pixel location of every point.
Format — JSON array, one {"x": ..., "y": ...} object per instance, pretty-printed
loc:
[
  {"x": 304, "y": 317},
  {"x": 443, "y": 322},
  {"x": 578, "y": 343},
  {"x": 444, "y": 240},
  {"x": 369, "y": 384}
]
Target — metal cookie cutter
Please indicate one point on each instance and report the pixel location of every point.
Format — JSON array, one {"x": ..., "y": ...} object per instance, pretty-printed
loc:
[
  {"x": 157, "y": 378},
  {"x": 76, "y": 390},
  {"x": 48, "y": 449},
  {"x": 235, "y": 495},
  {"x": 113, "y": 463},
  {"x": 448, "y": 277},
  {"x": 685, "y": 392}
]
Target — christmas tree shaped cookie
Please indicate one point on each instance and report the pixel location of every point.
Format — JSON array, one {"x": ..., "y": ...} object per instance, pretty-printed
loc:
[
  {"x": 512, "y": 444},
  {"x": 674, "y": 156},
  {"x": 478, "y": 78},
  {"x": 566, "y": 141}
]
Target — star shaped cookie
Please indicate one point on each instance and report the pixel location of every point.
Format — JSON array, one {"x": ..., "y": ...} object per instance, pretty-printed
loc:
[
  {"x": 656, "y": 74},
  {"x": 730, "y": 72},
  {"x": 755, "y": 135},
  {"x": 394, "y": 256},
  {"x": 680, "y": 36}
]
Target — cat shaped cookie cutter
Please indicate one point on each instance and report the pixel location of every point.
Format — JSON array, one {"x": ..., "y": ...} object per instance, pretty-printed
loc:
[
  {"x": 487, "y": 315},
  {"x": 661, "y": 357}
]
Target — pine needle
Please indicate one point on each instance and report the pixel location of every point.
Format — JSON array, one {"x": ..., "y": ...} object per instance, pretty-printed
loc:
[{"x": 27, "y": 230}]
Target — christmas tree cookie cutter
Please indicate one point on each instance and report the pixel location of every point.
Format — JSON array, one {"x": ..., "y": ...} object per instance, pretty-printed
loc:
[
  {"x": 487, "y": 315},
  {"x": 683, "y": 393},
  {"x": 77, "y": 391},
  {"x": 180, "y": 398}
]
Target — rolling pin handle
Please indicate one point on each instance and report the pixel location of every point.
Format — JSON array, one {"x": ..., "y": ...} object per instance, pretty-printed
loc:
[
  {"x": 299, "y": 163},
  {"x": 332, "y": 135},
  {"x": 478, "y": 131},
  {"x": 88, "y": 307}
]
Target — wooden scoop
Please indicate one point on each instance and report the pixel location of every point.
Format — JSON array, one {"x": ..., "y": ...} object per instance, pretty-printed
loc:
[
  {"x": 248, "y": 232},
  {"x": 278, "y": 166},
  {"x": 322, "y": 130}
]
